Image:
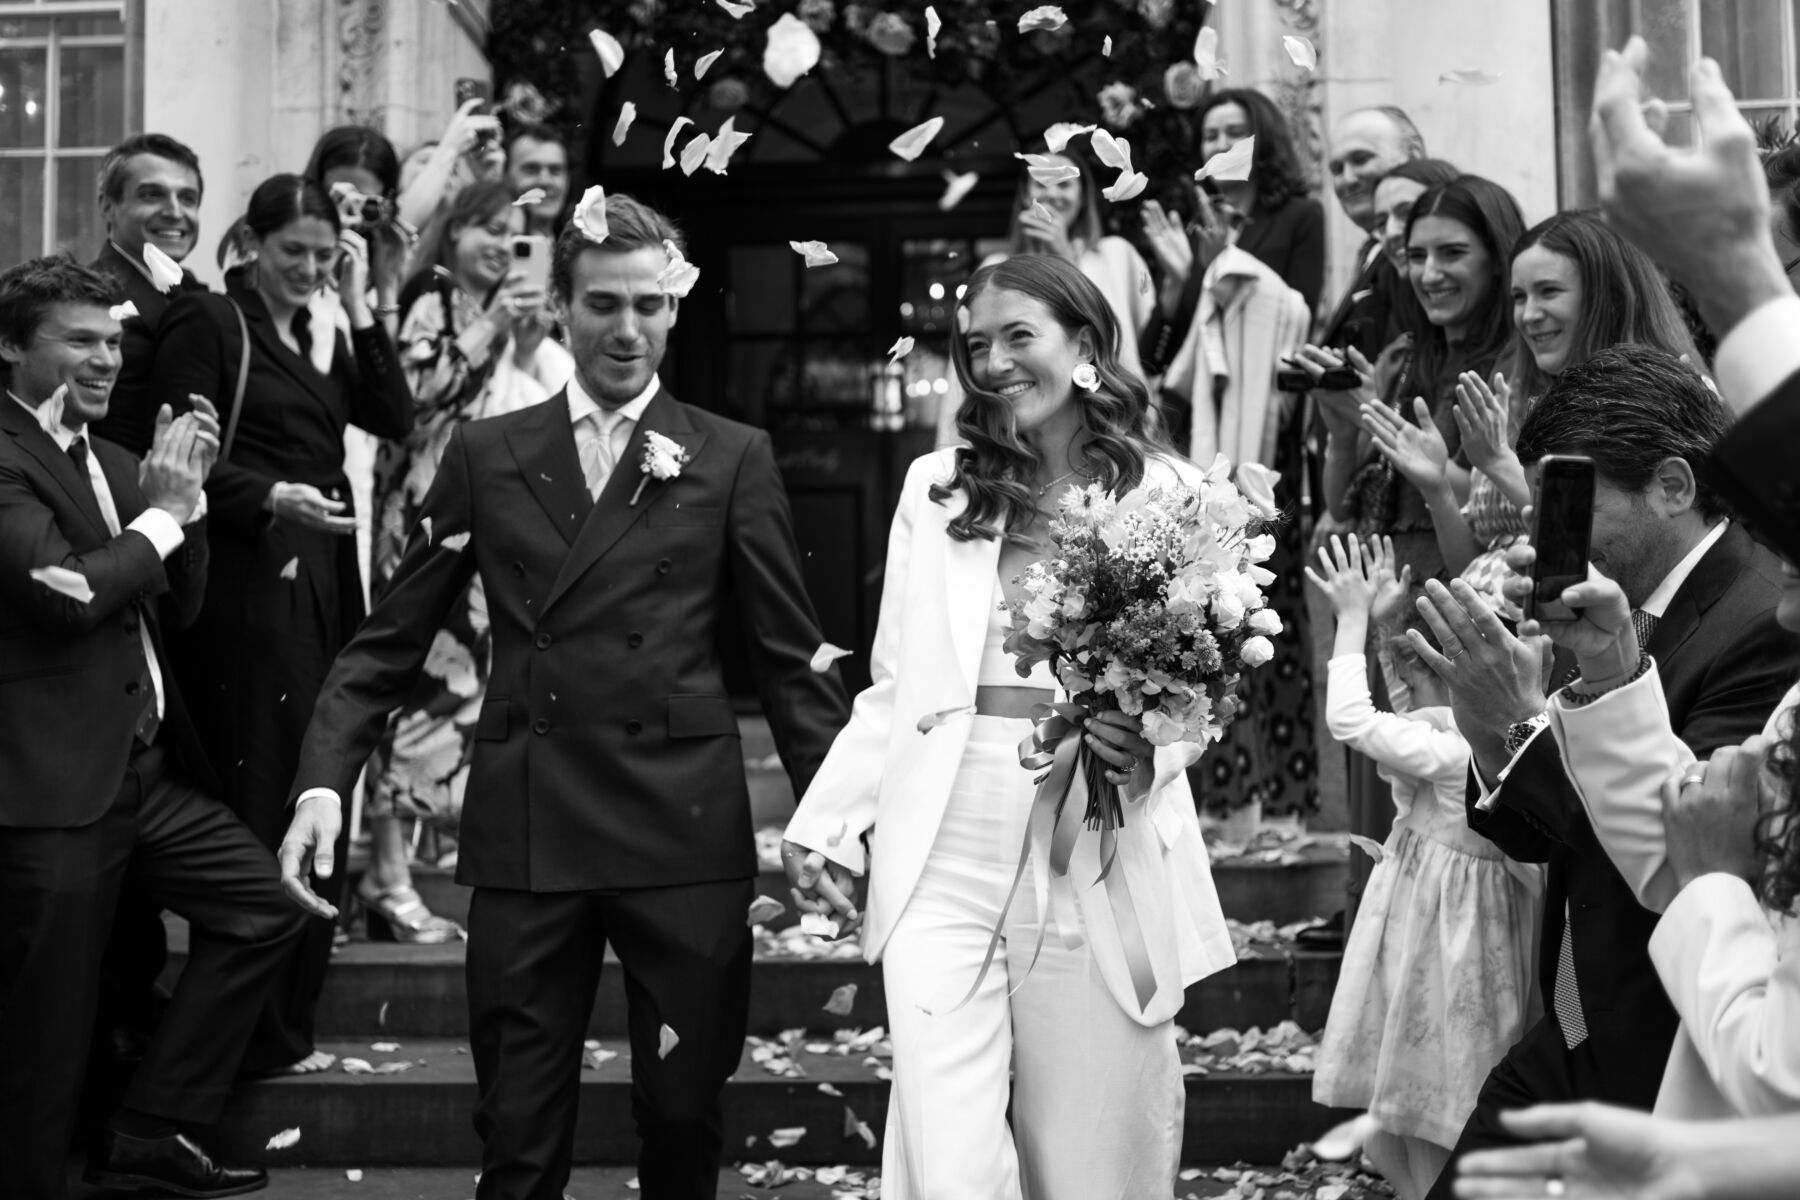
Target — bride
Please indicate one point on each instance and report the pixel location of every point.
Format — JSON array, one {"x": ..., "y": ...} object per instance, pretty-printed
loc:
[{"x": 931, "y": 758}]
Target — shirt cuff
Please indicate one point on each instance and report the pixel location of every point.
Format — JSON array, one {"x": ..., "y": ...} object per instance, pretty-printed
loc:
[
  {"x": 1491, "y": 793},
  {"x": 313, "y": 793},
  {"x": 163, "y": 530},
  {"x": 1759, "y": 353}
]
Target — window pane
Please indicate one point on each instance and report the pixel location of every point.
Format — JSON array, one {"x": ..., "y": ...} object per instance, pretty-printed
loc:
[
  {"x": 24, "y": 100},
  {"x": 762, "y": 289},
  {"x": 78, "y": 223},
  {"x": 1746, "y": 39},
  {"x": 836, "y": 298},
  {"x": 79, "y": 26},
  {"x": 21, "y": 209},
  {"x": 92, "y": 89},
  {"x": 24, "y": 27}
]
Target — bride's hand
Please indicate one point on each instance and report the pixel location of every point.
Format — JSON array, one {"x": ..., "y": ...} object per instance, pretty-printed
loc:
[
  {"x": 1118, "y": 738},
  {"x": 820, "y": 885}
]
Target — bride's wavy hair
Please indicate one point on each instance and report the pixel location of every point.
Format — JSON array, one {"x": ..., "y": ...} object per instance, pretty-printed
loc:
[{"x": 1118, "y": 426}]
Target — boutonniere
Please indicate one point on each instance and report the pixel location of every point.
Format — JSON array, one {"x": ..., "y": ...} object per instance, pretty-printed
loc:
[{"x": 662, "y": 461}]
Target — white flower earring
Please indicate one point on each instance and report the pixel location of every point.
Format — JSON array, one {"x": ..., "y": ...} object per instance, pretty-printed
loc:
[{"x": 1085, "y": 377}]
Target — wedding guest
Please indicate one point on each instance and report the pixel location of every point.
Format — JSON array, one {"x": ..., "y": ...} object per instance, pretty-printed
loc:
[
  {"x": 472, "y": 345},
  {"x": 1437, "y": 979},
  {"x": 1395, "y": 194},
  {"x": 357, "y": 167},
  {"x": 1091, "y": 1070},
  {"x": 103, "y": 775},
  {"x": 1283, "y": 225},
  {"x": 285, "y": 591},
  {"x": 1706, "y": 597},
  {"x": 468, "y": 152},
  {"x": 1366, "y": 145},
  {"x": 538, "y": 157}
]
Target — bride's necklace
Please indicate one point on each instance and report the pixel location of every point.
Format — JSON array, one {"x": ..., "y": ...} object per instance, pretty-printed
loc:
[{"x": 1045, "y": 490}]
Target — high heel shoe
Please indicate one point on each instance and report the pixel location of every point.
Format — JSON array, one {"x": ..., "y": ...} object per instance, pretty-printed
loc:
[{"x": 398, "y": 914}]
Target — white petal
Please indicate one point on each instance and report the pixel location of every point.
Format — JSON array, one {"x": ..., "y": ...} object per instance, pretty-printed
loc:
[
  {"x": 1343, "y": 1141},
  {"x": 1301, "y": 51},
  {"x": 818, "y": 925},
  {"x": 1106, "y": 46},
  {"x": 856, "y": 1127},
  {"x": 456, "y": 541},
  {"x": 384, "y": 1047},
  {"x": 65, "y": 582},
  {"x": 1057, "y": 136},
  {"x": 932, "y": 25},
  {"x": 827, "y": 653},
  {"x": 669, "y": 142},
  {"x": 292, "y": 569},
  {"x": 627, "y": 114},
  {"x": 1114, "y": 152},
  {"x": 165, "y": 272},
  {"x": 705, "y": 61},
  {"x": 912, "y": 143},
  {"x": 738, "y": 11},
  {"x": 425, "y": 527},
  {"x": 528, "y": 197},
  {"x": 931, "y": 721},
  {"x": 356, "y": 1066},
  {"x": 1229, "y": 166},
  {"x": 815, "y": 253},
  {"x": 669, "y": 68},
  {"x": 955, "y": 188},
  {"x": 121, "y": 312},
  {"x": 678, "y": 278},
  {"x": 724, "y": 145},
  {"x": 284, "y": 1139},
  {"x": 353, "y": 1174},
  {"x": 1368, "y": 846},
  {"x": 1047, "y": 170},
  {"x": 899, "y": 350},
  {"x": 764, "y": 909},
  {"x": 842, "y": 1000},
  {"x": 1206, "y": 53},
  {"x": 781, "y": 1139},
  {"x": 667, "y": 1040},
  {"x": 791, "y": 51},
  {"x": 1469, "y": 75},
  {"x": 1130, "y": 184},
  {"x": 607, "y": 47},
  {"x": 694, "y": 153},
  {"x": 590, "y": 214},
  {"x": 1047, "y": 17}
]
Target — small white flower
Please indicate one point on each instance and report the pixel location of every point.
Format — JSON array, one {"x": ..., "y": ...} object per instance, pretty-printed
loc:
[
  {"x": 1257, "y": 651},
  {"x": 662, "y": 461},
  {"x": 1265, "y": 620}
]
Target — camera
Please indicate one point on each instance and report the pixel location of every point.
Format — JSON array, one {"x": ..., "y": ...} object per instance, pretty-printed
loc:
[
  {"x": 359, "y": 211},
  {"x": 1337, "y": 379}
]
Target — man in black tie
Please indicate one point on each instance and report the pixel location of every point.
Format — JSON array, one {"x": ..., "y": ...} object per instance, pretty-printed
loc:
[
  {"x": 103, "y": 774},
  {"x": 1703, "y": 597}
]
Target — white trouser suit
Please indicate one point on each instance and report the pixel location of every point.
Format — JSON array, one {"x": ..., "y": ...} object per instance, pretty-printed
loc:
[{"x": 1097, "y": 1099}]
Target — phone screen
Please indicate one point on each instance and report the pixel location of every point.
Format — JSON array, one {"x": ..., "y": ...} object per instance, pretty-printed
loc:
[{"x": 1564, "y": 520}]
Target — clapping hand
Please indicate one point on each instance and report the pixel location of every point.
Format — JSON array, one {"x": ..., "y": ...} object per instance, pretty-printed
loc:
[
  {"x": 1601, "y": 636},
  {"x": 1341, "y": 409},
  {"x": 1348, "y": 579},
  {"x": 821, "y": 885},
  {"x": 1495, "y": 678},
  {"x": 182, "y": 452},
  {"x": 1710, "y": 814},
  {"x": 1388, "y": 608},
  {"x": 1417, "y": 450},
  {"x": 1484, "y": 416},
  {"x": 1173, "y": 251},
  {"x": 1045, "y": 228}
]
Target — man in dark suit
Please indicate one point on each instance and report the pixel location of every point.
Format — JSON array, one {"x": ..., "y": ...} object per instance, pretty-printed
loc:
[
  {"x": 618, "y": 533},
  {"x": 1365, "y": 145},
  {"x": 150, "y": 190},
  {"x": 103, "y": 774},
  {"x": 1703, "y": 597}
]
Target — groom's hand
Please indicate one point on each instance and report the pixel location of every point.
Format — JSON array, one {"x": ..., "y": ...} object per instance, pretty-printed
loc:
[
  {"x": 308, "y": 848},
  {"x": 820, "y": 885}
]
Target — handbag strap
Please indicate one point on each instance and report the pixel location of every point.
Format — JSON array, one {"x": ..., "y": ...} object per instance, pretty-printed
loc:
[{"x": 243, "y": 378}]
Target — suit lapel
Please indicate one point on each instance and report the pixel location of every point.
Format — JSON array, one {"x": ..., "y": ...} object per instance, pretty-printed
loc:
[
  {"x": 34, "y": 441},
  {"x": 971, "y": 572},
  {"x": 1709, "y": 580},
  {"x": 297, "y": 367},
  {"x": 614, "y": 513},
  {"x": 543, "y": 445}
]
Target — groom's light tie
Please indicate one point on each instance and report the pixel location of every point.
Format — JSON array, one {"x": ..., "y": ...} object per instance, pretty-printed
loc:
[
  {"x": 593, "y": 441},
  {"x": 1567, "y": 998}
]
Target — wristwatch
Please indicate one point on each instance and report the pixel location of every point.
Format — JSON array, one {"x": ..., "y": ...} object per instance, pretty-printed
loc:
[{"x": 1520, "y": 732}]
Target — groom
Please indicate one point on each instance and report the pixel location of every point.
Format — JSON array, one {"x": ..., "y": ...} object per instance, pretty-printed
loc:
[{"x": 606, "y": 800}]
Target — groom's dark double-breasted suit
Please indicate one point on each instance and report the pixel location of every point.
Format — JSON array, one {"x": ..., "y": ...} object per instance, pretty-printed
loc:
[{"x": 606, "y": 798}]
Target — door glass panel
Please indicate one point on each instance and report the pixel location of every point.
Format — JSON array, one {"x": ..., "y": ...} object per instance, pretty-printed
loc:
[
  {"x": 79, "y": 228},
  {"x": 21, "y": 209},
  {"x": 91, "y": 85},
  {"x": 835, "y": 299},
  {"x": 762, "y": 289},
  {"x": 24, "y": 100}
]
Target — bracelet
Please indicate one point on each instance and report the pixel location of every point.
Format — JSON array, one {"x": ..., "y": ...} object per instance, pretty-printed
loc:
[
  {"x": 1577, "y": 699},
  {"x": 386, "y": 310}
]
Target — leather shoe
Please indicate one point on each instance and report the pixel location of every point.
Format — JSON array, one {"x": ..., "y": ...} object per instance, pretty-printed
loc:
[{"x": 168, "y": 1164}]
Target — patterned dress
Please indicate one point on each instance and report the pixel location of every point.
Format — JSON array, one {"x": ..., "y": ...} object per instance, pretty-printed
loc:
[{"x": 1497, "y": 525}]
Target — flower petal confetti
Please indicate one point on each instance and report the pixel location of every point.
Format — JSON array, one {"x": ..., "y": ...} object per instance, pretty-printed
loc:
[
  {"x": 529, "y": 197},
  {"x": 1114, "y": 152},
  {"x": 816, "y": 254},
  {"x": 1046, "y": 170},
  {"x": 1303, "y": 52},
  {"x": 738, "y": 11},
  {"x": 50, "y": 412},
  {"x": 827, "y": 653},
  {"x": 284, "y": 1139},
  {"x": 1057, "y": 136},
  {"x": 818, "y": 925},
  {"x": 612, "y": 55},
  {"x": 669, "y": 141},
  {"x": 1229, "y": 166},
  {"x": 828, "y": 1090},
  {"x": 899, "y": 350},
  {"x": 1368, "y": 846},
  {"x": 356, "y": 1066},
  {"x": 384, "y": 1047},
  {"x": 292, "y": 569},
  {"x": 122, "y": 312},
  {"x": 932, "y": 25},
  {"x": 1206, "y": 54},
  {"x": 1342, "y": 1141},
  {"x": 1106, "y": 46},
  {"x": 781, "y": 1139},
  {"x": 667, "y": 1040},
  {"x": 678, "y": 278},
  {"x": 65, "y": 582},
  {"x": 1473, "y": 76},
  {"x": 590, "y": 215},
  {"x": 165, "y": 272},
  {"x": 627, "y": 114},
  {"x": 843, "y": 999},
  {"x": 956, "y": 187},
  {"x": 596, "y": 1056},
  {"x": 694, "y": 153},
  {"x": 704, "y": 62},
  {"x": 456, "y": 541},
  {"x": 764, "y": 909},
  {"x": 855, "y": 1126},
  {"x": 669, "y": 68},
  {"x": 912, "y": 143},
  {"x": 931, "y": 721},
  {"x": 791, "y": 51},
  {"x": 724, "y": 145},
  {"x": 353, "y": 1174},
  {"x": 1129, "y": 186},
  {"x": 1048, "y": 17}
]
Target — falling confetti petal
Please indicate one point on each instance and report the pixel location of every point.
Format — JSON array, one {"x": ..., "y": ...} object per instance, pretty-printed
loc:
[
  {"x": 65, "y": 582},
  {"x": 896, "y": 352},
  {"x": 842, "y": 1000},
  {"x": 627, "y": 114},
  {"x": 1106, "y": 47},
  {"x": 815, "y": 253},
  {"x": 1368, "y": 846},
  {"x": 120, "y": 312},
  {"x": 1229, "y": 166},
  {"x": 827, "y": 653},
  {"x": 956, "y": 187},
  {"x": 1048, "y": 17},
  {"x": 384, "y": 1047},
  {"x": 931, "y": 721},
  {"x": 1342, "y": 1141},
  {"x": 392, "y": 1068},
  {"x": 669, "y": 68},
  {"x": 456, "y": 541},
  {"x": 818, "y": 925},
  {"x": 694, "y": 153},
  {"x": 932, "y": 25},
  {"x": 1057, "y": 136},
  {"x": 1114, "y": 152},
  {"x": 738, "y": 11},
  {"x": 764, "y": 909},
  {"x": 705, "y": 61},
  {"x": 912, "y": 143},
  {"x": 1130, "y": 185},
  {"x": 855, "y": 1127},
  {"x": 595, "y": 1057},
  {"x": 791, "y": 51},
  {"x": 678, "y": 278},
  {"x": 165, "y": 272},
  {"x": 781, "y": 1139},
  {"x": 292, "y": 570},
  {"x": 1046, "y": 170},
  {"x": 1470, "y": 75},
  {"x": 829, "y": 1090},
  {"x": 1301, "y": 51},
  {"x": 353, "y": 1174},
  {"x": 381, "y": 1017},
  {"x": 1037, "y": 206},
  {"x": 1206, "y": 54},
  {"x": 590, "y": 214},
  {"x": 607, "y": 47},
  {"x": 724, "y": 145},
  {"x": 284, "y": 1139},
  {"x": 528, "y": 197},
  {"x": 667, "y": 1040},
  {"x": 669, "y": 142}
]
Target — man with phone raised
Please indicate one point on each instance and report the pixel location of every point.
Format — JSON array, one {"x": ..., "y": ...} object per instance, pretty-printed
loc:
[{"x": 1703, "y": 597}]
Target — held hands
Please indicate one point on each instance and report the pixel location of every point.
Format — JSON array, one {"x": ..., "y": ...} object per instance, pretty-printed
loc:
[
  {"x": 304, "y": 504},
  {"x": 1710, "y": 814},
  {"x": 1417, "y": 450},
  {"x": 308, "y": 849},
  {"x": 182, "y": 452},
  {"x": 1602, "y": 636},
  {"x": 821, "y": 886},
  {"x": 1118, "y": 739},
  {"x": 1594, "y": 1151}
]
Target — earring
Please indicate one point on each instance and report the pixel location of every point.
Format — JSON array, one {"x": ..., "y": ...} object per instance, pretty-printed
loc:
[{"x": 1085, "y": 377}]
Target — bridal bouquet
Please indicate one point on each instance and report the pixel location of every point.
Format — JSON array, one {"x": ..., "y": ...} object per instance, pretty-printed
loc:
[{"x": 1151, "y": 605}]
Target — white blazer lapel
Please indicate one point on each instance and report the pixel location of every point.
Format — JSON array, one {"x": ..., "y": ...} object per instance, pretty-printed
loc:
[{"x": 971, "y": 570}]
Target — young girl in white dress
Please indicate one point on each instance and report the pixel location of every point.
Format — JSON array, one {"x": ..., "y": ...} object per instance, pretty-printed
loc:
[{"x": 1437, "y": 975}]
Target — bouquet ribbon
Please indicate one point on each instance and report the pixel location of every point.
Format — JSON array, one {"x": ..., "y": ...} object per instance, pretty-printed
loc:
[{"x": 1050, "y": 835}]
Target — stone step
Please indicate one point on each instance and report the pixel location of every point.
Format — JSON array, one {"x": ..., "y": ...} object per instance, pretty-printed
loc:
[
  {"x": 421, "y": 1116},
  {"x": 380, "y": 989}
]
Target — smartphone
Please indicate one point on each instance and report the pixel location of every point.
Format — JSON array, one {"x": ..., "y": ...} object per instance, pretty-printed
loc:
[
  {"x": 1562, "y": 525},
  {"x": 531, "y": 257},
  {"x": 468, "y": 88}
]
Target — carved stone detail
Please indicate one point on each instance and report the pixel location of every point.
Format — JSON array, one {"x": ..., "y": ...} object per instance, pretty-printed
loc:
[{"x": 362, "y": 62}]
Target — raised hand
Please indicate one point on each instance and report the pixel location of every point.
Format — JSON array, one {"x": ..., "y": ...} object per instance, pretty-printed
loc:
[
  {"x": 1601, "y": 635},
  {"x": 1173, "y": 252},
  {"x": 1484, "y": 416},
  {"x": 1417, "y": 451},
  {"x": 1387, "y": 608},
  {"x": 1345, "y": 577},
  {"x": 174, "y": 470}
]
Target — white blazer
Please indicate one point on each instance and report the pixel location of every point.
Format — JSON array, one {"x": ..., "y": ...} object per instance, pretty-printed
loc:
[
  {"x": 1732, "y": 970},
  {"x": 882, "y": 774}
]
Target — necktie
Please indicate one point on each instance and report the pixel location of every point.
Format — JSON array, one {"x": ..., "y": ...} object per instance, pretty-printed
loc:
[
  {"x": 596, "y": 449},
  {"x": 1567, "y": 1000},
  {"x": 145, "y": 684}
]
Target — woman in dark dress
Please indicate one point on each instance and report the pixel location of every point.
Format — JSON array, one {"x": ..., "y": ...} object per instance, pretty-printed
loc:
[{"x": 284, "y": 594}]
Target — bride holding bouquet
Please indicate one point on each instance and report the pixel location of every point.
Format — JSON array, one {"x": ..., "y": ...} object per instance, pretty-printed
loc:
[{"x": 1044, "y": 931}]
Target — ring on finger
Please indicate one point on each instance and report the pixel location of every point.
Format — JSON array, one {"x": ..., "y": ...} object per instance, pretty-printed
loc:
[{"x": 1696, "y": 773}]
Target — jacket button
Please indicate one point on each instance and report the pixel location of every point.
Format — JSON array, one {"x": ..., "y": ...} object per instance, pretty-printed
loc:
[
  {"x": 634, "y": 640},
  {"x": 634, "y": 727},
  {"x": 543, "y": 641},
  {"x": 662, "y": 566},
  {"x": 540, "y": 726}
]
